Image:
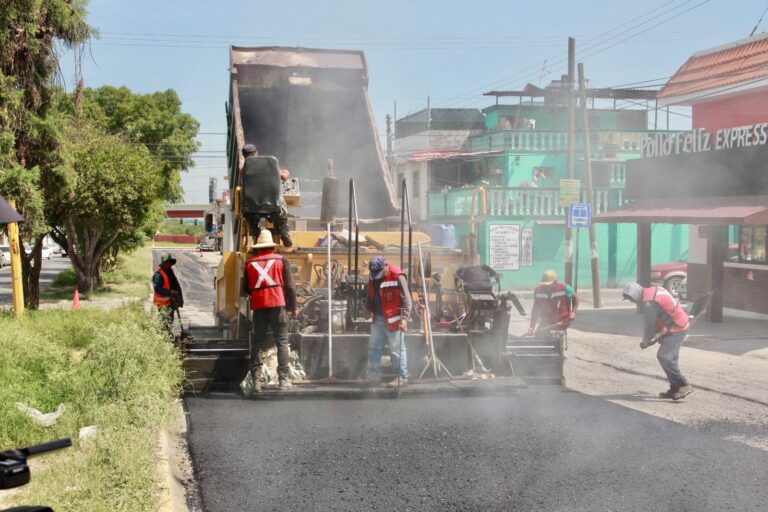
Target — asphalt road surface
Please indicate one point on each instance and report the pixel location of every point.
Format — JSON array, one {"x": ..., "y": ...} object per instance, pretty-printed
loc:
[
  {"x": 541, "y": 448},
  {"x": 51, "y": 268}
]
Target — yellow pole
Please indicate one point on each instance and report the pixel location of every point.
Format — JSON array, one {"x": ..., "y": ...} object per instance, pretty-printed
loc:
[{"x": 16, "y": 286}]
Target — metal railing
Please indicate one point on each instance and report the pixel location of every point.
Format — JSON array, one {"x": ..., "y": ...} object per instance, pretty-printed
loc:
[
  {"x": 514, "y": 202},
  {"x": 356, "y": 242},
  {"x": 405, "y": 215},
  {"x": 625, "y": 141}
]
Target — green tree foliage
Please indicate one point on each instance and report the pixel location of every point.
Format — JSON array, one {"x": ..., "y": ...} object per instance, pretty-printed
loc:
[
  {"x": 108, "y": 188},
  {"x": 153, "y": 120},
  {"x": 31, "y": 32}
]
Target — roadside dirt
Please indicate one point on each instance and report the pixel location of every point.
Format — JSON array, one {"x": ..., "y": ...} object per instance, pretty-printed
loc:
[{"x": 729, "y": 401}]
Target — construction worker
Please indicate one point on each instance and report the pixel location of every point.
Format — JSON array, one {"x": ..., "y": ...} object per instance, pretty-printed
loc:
[
  {"x": 665, "y": 323},
  {"x": 268, "y": 281},
  {"x": 389, "y": 303},
  {"x": 554, "y": 305},
  {"x": 167, "y": 291},
  {"x": 269, "y": 200}
]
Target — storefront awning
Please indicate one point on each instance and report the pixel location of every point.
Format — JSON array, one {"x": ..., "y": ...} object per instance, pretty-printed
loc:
[{"x": 738, "y": 210}]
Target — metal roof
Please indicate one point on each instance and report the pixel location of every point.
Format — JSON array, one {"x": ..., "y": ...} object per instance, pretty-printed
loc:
[
  {"x": 738, "y": 210},
  {"x": 532, "y": 91},
  {"x": 723, "y": 68}
]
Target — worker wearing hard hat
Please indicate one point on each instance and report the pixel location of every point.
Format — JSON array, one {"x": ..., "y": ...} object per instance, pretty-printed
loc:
[
  {"x": 167, "y": 291},
  {"x": 666, "y": 323},
  {"x": 554, "y": 305},
  {"x": 268, "y": 281}
]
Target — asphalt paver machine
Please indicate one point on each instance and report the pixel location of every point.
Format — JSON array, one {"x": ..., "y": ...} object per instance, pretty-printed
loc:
[{"x": 307, "y": 110}]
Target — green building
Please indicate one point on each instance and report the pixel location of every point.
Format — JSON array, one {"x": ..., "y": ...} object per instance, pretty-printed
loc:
[{"x": 501, "y": 181}]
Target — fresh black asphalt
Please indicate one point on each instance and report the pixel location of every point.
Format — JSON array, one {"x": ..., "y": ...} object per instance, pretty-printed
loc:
[{"x": 537, "y": 449}]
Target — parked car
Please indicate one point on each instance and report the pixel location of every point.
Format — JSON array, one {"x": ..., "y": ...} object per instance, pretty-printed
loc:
[
  {"x": 56, "y": 249},
  {"x": 47, "y": 252},
  {"x": 6, "y": 250},
  {"x": 670, "y": 275}
]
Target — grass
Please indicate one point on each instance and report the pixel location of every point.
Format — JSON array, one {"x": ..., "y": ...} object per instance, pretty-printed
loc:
[
  {"x": 130, "y": 279},
  {"x": 111, "y": 369}
]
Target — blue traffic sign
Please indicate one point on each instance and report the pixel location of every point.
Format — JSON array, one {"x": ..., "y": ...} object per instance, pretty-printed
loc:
[{"x": 579, "y": 215}]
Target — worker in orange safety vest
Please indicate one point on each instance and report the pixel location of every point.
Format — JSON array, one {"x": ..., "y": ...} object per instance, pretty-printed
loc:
[{"x": 167, "y": 295}]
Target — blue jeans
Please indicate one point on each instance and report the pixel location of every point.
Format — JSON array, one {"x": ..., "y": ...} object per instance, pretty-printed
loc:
[
  {"x": 382, "y": 337},
  {"x": 668, "y": 355}
]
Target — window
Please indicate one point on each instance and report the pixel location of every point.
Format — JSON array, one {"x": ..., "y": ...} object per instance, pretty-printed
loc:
[
  {"x": 752, "y": 244},
  {"x": 416, "y": 184}
]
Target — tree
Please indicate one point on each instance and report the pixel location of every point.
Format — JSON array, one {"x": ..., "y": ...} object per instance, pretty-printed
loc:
[
  {"x": 108, "y": 188},
  {"x": 30, "y": 131},
  {"x": 153, "y": 121}
]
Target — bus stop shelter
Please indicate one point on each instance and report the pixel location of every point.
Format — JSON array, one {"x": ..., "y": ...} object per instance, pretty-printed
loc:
[{"x": 716, "y": 213}]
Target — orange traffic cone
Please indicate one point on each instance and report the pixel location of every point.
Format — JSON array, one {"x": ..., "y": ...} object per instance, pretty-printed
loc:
[{"x": 76, "y": 300}]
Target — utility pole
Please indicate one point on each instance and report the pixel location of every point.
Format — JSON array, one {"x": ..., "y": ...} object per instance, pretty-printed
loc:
[
  {"x": 390, "y": 142},
  {"x": 570, "y": 151},
  {"x": 596, "y": 300},
  {"x": 17, "y": 288}
]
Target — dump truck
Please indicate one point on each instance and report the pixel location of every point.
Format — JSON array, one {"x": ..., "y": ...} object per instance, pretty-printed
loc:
[{"x": 308, "y": 111}]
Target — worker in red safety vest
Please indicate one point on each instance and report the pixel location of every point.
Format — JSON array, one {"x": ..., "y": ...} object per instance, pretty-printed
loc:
[
  {"x": 554, "y": 305},
  {"x": 167, "y": 295},
  {"x": 389, "y": 303},
  {"x": 667, "y": 323},
  {"x": 268, "y": 281}
]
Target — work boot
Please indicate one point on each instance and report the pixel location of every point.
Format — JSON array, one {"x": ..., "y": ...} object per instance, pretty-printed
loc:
[
  {"x": 286, "y": 239},
  {"x": 668, "y": 393},
  {"x": 255, "y": 388},
  {"x": 683, "y": 392},
  {"x": 285, "y": 385}
]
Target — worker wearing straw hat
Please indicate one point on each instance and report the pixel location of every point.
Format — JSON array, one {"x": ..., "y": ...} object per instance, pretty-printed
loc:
[{"x": 268, "y": 281}]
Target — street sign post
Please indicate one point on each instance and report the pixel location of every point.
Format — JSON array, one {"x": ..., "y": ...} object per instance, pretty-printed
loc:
[{"x": 579, "y": 215}]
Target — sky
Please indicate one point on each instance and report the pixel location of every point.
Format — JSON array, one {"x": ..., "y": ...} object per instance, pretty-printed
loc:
[{"x": 447, "y": 50}]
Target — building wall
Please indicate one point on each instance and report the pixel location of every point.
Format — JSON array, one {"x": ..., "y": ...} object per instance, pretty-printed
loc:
[
  {"x": 739, "y": 110},
  {"x": 617, "y": 256},
  {"x": 418, "y": 191}
]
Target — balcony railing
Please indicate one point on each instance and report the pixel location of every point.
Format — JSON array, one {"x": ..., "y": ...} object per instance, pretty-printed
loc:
[
  {"x": 545, "y": 140},
  {"x": 514, "y": 202}
]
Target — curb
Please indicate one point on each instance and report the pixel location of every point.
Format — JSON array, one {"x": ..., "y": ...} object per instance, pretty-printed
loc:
[{"x": 176, "y": 481}]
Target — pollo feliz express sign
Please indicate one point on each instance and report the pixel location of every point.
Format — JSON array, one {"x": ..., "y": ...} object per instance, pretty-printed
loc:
[{"x": 700, "y": 140}]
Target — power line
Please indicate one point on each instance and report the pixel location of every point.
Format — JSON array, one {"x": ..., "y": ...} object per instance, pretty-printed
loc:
[
  {"x": 608, "y": 40},
  {"x": 758, "y": 21}
]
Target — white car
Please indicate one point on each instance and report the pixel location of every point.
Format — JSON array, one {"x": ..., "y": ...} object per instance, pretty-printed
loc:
[
  {"x": 47, "y": 252},
  {"x": 5, "y": 250}
]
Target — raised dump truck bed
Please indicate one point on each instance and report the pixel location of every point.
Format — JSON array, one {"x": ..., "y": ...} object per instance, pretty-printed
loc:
[{"x": 305, "y": 106}]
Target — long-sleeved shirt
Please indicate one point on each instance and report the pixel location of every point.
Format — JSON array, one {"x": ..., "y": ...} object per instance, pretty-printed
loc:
[
  {"x": 405, "y": 298},
  {"x": 289, "y": 291},
  {"x": 157, "y": 285}
]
